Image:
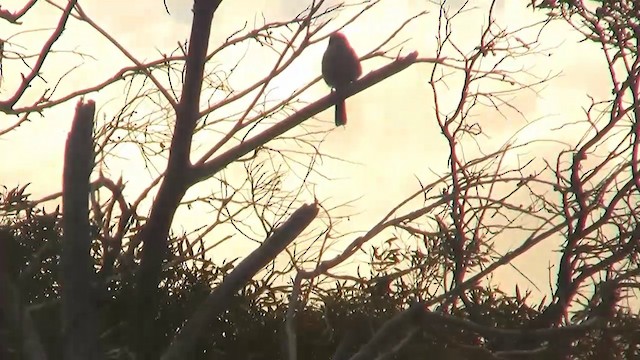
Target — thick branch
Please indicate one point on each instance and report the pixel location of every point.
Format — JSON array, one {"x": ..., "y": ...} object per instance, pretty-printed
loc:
[
  {"x": 15, "y": 16},
  {"x": 7, "y": 105},
  {"x": 79, "y": 313},
  {"x": 219, "y": 299},
  {"x": 213, "y": 166},
  {"x": 417, "y": 316},
  {"x": 155, "y": 233}
]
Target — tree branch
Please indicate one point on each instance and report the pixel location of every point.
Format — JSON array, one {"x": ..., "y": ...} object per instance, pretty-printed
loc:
[
  {"x": 7, "y": 105},
  {"x": 78, "y": 309},
  {"x": 219, "y": 299},
  {"x": 156, "y": 230},
  {"x": 15, "y": 16},
  {"x": 209, "y": 168}
]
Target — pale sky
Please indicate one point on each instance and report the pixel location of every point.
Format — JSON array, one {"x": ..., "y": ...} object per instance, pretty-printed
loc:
[{"x": 392, "y": 136}]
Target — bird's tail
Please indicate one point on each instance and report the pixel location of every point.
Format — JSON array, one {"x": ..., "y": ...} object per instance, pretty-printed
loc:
[
  {"x": 341, "y": 113},
  {"x": 341, "y": 109}
]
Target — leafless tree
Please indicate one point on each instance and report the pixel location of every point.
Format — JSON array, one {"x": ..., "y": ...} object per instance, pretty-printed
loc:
[
  {"x": 249, "y": 139},
  {"x": 455, "y": 225},
  {"x": 486, "y": 199}
]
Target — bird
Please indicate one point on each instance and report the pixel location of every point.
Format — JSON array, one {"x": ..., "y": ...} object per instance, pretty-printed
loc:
[{"x": 340, "y": 67}]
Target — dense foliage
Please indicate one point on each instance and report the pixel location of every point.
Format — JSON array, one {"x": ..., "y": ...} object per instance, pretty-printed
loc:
[{"x": 345, "y": 315}]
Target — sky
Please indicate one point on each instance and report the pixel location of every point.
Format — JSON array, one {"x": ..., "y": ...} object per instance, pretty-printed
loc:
[{"x": 392, "y": 137}]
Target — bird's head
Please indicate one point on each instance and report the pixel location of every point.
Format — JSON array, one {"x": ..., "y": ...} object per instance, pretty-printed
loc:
[{"x": 338, "y": 38}]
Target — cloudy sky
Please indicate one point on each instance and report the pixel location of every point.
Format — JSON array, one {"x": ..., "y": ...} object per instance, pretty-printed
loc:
[{"x": 392, "y": 137}]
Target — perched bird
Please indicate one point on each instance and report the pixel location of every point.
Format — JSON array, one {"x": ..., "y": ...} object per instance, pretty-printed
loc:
[{"x": 340, "y": 67}]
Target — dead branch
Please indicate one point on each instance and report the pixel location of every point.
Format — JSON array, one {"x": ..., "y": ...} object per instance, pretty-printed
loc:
[
  {"x": 220, "y": 297},
  {"x": 80, "y": 318}
]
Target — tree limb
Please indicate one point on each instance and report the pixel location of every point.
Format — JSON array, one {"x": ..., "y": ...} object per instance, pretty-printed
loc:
[
  {"x": 220, "y": 297},
  {"x": 78, "y": 309}
]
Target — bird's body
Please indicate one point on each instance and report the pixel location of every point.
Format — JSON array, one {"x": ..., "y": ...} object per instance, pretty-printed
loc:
[{"x": 340, "y": 67}]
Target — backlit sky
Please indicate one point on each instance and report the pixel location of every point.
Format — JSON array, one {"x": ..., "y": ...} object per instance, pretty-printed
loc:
[{"x": 392, "y": 136}]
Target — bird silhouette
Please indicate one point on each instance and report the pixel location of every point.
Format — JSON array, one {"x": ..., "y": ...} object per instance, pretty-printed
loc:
[{"x": 340, "y": 67}]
